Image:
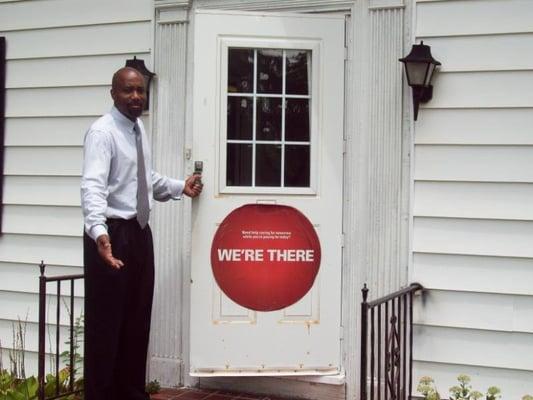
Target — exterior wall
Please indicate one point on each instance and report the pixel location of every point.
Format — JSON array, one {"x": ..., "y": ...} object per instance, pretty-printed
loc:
[
  {"x": 70, "y": 51},
  {"x": 473, "y": 196},
  {"x": 61, "y": 55}
]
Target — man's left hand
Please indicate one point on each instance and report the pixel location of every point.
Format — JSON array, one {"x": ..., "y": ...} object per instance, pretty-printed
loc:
[{"x": 193, "y": 185}]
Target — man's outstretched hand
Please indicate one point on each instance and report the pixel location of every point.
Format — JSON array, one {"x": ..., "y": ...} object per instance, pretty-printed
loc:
[
  {"x": 103, "y": 243},
  {"x": 193, "y": 185}
]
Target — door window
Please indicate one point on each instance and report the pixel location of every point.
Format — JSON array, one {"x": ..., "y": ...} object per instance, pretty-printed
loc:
[{"x": 268, "y": 127}]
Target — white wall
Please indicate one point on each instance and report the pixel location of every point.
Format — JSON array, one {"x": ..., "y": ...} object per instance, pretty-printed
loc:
[
  {"x": 473, "y": 196},
  {"x": 61, "y": 55}
]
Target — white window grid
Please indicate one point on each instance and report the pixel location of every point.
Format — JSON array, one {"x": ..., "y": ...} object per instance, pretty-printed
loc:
[{"x": 283, "y": 96}]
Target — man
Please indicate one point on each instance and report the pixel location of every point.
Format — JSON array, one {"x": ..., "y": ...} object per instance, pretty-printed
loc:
[{"x": 117, "y": 188}]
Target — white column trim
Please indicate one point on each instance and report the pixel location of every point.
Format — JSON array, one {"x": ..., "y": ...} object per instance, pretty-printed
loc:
[{"x": 170, "y": 221}]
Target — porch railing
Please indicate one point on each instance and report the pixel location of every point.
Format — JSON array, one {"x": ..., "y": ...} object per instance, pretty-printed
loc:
[
  {"x": 387, "y": 345},
  {"x": 43, "y": 281}
]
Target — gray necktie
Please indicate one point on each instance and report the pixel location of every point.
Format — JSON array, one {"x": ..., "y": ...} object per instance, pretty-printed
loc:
[{"x": 143, "y": 206}]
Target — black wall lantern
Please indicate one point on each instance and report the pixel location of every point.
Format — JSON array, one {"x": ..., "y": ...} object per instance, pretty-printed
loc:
[
  {"x": 138, "y": 64},
  {"x": 419, "y": 68}
]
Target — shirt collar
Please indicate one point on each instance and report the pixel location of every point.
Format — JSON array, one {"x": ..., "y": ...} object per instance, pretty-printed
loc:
[{"x": 121, "y": 120}]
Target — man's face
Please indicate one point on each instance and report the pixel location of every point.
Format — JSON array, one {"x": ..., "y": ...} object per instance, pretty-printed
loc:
[{"x": 129, "y": 94}]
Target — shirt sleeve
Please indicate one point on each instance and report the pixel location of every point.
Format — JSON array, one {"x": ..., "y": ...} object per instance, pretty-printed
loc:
[
  {"x": 165, "y": 188},
  {"x": 94, "y": 181}
]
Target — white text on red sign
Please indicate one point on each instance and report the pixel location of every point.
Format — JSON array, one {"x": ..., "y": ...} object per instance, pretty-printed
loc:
[{"x": 272, "y": 255}]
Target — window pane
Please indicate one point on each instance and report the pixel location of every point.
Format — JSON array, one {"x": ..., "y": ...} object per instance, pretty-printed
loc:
[
  {"x": 297, "y": 70},
  {"x": 269, "y": 71},
  {"x": 268, "y": 167},
  {"x": 240, "y": 117},
  {"x": 268, "y": 118},
  {"x": 240, "y": 70},
  {"x": 297, "y": 166},
  {"x": 297, "y": 120},
  {"x": 239, "y": 165}
]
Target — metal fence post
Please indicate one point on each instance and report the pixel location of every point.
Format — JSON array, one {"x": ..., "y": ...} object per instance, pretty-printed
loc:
[
  {"x": 364, "y": 332},
  {"x": 42, "y": 329}
]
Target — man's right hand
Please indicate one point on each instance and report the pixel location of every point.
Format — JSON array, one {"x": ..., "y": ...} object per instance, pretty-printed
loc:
[{"x": 103, "y": 243}]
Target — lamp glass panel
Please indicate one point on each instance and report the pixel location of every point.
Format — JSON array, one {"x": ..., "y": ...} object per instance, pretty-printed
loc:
[
  {"x": 431, "y": 69},
  {"x": 416, "y": 72}
]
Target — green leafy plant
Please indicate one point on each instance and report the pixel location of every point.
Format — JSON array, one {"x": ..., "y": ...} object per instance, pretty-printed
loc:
[
  {"x": 76, "y": 346},
  {"x": 426, "y": 386},
  {"x": 153, "y": 387},
  {"x": 18, "y": 350},
  {"x": 14, "y": 385},
  {"x": 462, "y": 391},
  {"x": 493, "y": 393}
]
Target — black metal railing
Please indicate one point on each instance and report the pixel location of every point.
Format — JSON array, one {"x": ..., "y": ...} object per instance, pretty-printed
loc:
[
  {"x": 43, "y": 281},
  {"x": 387, "y": 345}
]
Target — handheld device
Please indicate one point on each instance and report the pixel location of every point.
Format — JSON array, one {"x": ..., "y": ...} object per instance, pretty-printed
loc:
[{"x": 198, "y": 168}]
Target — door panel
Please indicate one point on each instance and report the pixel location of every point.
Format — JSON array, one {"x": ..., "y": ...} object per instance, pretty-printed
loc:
[{"x": 267, "y": 121}]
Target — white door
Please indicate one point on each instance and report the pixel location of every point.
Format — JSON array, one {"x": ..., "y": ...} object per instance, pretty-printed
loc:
[{"x": 268, "y": 127}]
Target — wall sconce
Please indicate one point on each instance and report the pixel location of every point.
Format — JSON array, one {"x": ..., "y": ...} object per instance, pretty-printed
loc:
[
  {"x": 419, "y": 68},
  {"x": 138, "y": 64}
]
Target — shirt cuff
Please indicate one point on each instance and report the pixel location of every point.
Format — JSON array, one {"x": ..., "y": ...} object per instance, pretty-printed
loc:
[
  {"x": 97, "y": 230},
  {"x": 176, "y": 187}
]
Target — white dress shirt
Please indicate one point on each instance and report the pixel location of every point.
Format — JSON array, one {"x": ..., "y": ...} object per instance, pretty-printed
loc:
[{"x": 109, "y": 178}]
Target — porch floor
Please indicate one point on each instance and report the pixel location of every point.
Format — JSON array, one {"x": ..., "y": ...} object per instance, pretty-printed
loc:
[{"x": 207, "y": 394}]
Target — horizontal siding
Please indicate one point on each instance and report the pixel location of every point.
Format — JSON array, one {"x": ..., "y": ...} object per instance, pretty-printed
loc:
[
  {"x": 59, "y": 72},
  {"x": 475, "y": 126},
  {"x": 474, "y": 347},
  {"x": 43, "y": 220},
  {"x": 21, "y": 15},
  {"x": 49, "y": 131},
  {"x": 24, "y": 278},
  {"x": 482, "y": 89},
  {"x": 473, "y": 17},
  {"x": 61, "y": 161},
  {"x": 484, "y": 274},
  {"x": 31, "y": 249},
  {"x": 481, "y": 311},
  {"x": 476, "y": 237},
  {"x": 17, "y": 305},
  {"x": 45, "y": 190},
  {"x": 493, "y": 53},
  {"x": 473, "y": 196},
  {"x": 124, "y": 38},
  {"x": 42, "y": 102},
  {"x": 474, "y": 200},
  {"x": 474, "y": 163},
  {"x": 66, "y": 71},
  {"x": 515, "y": 383},
  {"x": 32, "y": 337}
]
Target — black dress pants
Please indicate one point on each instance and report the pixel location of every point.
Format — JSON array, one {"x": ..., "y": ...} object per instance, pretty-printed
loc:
[{"x": 118, "y": 306}]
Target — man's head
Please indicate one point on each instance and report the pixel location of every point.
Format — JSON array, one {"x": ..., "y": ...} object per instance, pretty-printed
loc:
[{"x": 128, "y": 92}]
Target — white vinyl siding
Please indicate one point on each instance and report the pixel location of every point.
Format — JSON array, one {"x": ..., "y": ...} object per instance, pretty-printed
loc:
[
  {"x": 473, "y": 196},
  {"x": 61, "y": 55}
]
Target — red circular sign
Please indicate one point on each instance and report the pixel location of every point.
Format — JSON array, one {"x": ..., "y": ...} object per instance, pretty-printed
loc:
[{"x": 265, "y": 257}]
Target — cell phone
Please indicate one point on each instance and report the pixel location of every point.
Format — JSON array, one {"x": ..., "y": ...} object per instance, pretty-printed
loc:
[{"x": 198, "y": 168}]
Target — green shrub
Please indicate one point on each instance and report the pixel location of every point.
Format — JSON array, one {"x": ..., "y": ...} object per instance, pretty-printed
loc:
[{"x": 426, "y": 387}]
